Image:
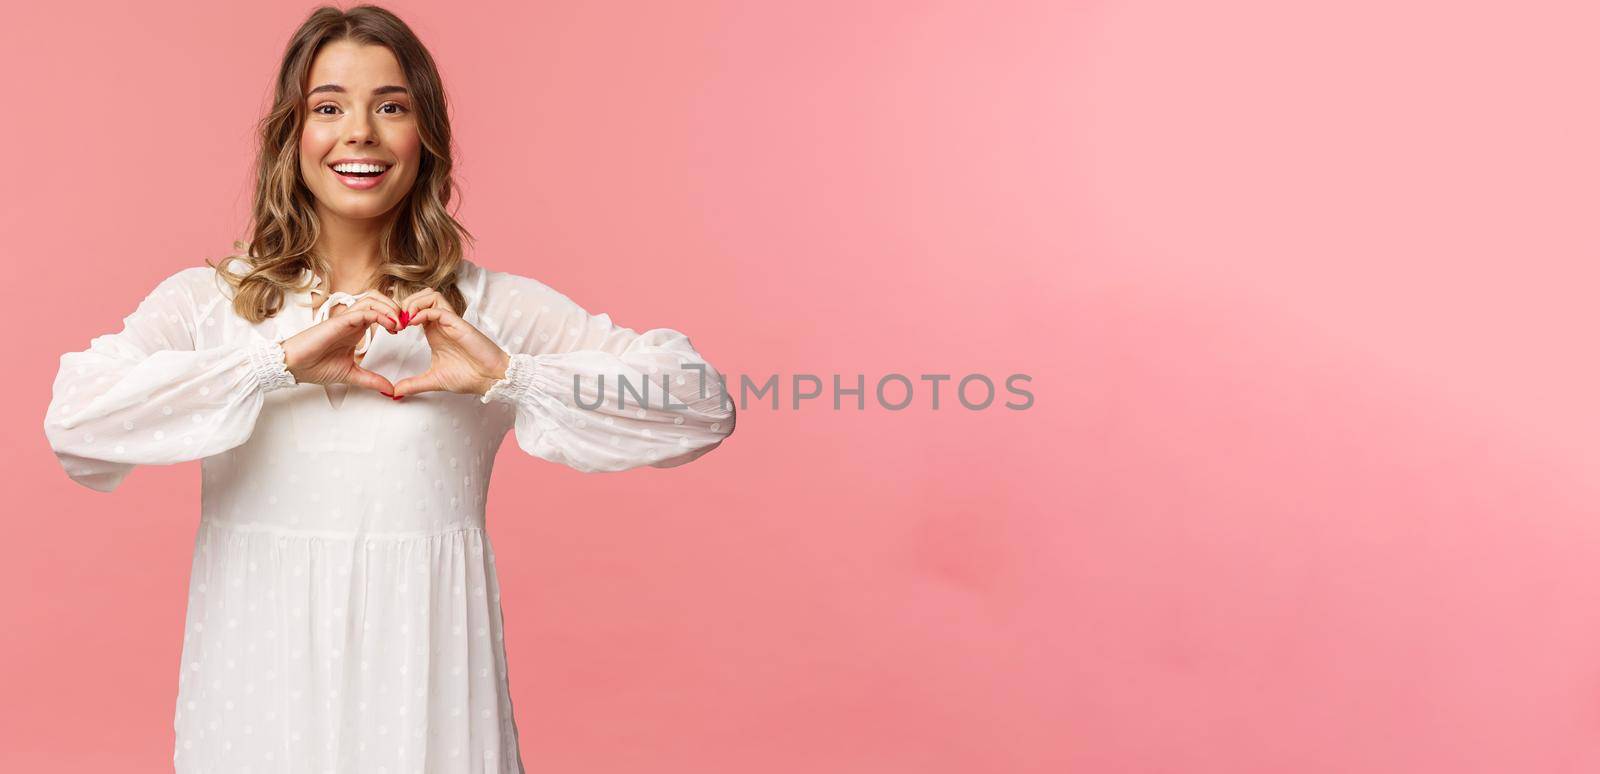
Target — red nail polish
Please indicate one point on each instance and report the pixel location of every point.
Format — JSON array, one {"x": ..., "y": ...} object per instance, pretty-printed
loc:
[
  {"x": 405, "y": 318},
  {"x": 390, "y": 394}
]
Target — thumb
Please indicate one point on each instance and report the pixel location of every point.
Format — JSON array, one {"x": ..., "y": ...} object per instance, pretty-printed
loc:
[
  {"x": 412, "y": 385},
  {"x": 361, "y": 377}
]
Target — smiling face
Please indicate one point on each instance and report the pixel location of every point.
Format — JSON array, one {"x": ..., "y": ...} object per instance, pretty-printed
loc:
[{"x": 359, "y": 107}]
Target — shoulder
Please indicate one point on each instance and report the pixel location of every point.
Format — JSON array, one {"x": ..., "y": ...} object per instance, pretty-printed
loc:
[
  {"x": 481, "y": 285},
  {"x": 196, "y": 289},
  {"x": 204, "y": 283},
  {"x": 517, "y": 310},
  {"x": 190, "y": 283}
]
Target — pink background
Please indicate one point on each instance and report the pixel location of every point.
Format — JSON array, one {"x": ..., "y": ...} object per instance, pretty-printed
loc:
[{"x": 1307, "y": 292}]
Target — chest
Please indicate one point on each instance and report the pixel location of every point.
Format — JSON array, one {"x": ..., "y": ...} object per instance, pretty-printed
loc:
[{"x": 342, "y": 419}]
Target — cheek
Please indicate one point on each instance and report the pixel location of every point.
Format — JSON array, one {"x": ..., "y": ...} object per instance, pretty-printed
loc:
[
  {"x": 407, "y": 144},
  {"x": 314, "y": 145},
  {"x": 407, "y": 147}
]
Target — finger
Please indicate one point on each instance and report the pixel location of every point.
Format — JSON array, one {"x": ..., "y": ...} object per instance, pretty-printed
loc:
[
  {"x": 336, "y": 308},
  {"x": 379, "y": 302},
  {"x": 413, "y": 303},
  {"x": 361, "y": 318},
  {"x": 361, "y": 377},
  {"x": 405, "y": 303},
  {"x": 425, "y": 300},
  {"x": 383, "y": 305},
  {"x": 342, "y": 327},
  {"x": 436, "y": 314},
  {"x": 412, "y": 385},
  {"x": 344, "y": 331},
  {"x": 333, "y": 334}
]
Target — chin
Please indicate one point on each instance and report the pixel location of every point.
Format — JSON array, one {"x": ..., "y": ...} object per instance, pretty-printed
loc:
[{"x": 348, "y": 208}]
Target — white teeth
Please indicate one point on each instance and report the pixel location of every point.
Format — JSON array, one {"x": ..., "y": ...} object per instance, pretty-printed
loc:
[{"x": 359, "y": 167}]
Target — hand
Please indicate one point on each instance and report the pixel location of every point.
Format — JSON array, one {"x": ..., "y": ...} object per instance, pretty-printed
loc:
[
  {"x": 325, "y": 352},
  {"x": 464, "y": 360}
]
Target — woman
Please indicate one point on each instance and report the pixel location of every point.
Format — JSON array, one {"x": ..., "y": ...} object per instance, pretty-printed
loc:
[{"x": 346, "y": 380}]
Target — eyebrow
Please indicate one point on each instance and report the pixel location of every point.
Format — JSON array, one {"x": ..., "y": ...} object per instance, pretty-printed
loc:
[{"x": 342, "y": 90}]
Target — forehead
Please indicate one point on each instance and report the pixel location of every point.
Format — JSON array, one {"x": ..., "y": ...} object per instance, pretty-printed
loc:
[{"x": 355, "y": 66}]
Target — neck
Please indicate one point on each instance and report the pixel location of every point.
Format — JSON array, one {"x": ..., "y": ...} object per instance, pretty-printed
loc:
[{"x": 350, "y": 248}]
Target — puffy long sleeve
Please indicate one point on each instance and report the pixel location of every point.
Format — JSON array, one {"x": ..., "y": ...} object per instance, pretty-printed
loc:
[
  {"x": 148, "y": 396},
  {"x": 595, "y": 396}
]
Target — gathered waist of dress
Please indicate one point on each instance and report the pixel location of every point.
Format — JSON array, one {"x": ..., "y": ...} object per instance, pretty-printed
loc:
[{"x": 324, "y": 533}]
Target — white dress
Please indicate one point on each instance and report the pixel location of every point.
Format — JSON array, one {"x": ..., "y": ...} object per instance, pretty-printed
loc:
[{"x": 344, "y": 609}]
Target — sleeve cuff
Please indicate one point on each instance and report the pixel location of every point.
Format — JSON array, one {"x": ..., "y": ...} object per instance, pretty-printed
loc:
[
  {"x": 517, "y": 382},
  {"x": 268, "y": 366}
]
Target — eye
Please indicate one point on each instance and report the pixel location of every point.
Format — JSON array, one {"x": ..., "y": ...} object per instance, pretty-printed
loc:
[
  {"x": 394, "y": 104},
  {"x": 319, "y": 108}
]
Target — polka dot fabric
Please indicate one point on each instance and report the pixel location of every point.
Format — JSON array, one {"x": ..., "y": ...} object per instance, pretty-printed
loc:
[{"x": 344, "y": 609}]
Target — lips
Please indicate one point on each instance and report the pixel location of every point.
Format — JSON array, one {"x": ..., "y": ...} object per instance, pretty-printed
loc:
[{"x": 361, "y": 182}]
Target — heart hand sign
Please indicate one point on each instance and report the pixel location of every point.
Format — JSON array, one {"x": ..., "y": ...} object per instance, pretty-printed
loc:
[
  {"x": 463, "y": 360},
  {"x": 325, "y": 352}
]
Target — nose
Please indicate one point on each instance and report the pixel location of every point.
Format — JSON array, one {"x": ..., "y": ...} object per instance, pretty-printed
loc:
[{"x": 360, "y": 129}]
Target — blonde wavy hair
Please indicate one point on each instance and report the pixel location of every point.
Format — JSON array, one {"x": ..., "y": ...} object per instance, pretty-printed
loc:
[{"x": 421, "y": 246}]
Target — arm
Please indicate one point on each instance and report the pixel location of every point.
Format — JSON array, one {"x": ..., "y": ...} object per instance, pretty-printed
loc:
[
  {"x": 145, "y": 395},
  {"x": 672, "y": 404}
]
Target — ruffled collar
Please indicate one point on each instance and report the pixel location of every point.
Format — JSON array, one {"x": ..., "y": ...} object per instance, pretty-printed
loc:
[{"x": 309, "y": 282}]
